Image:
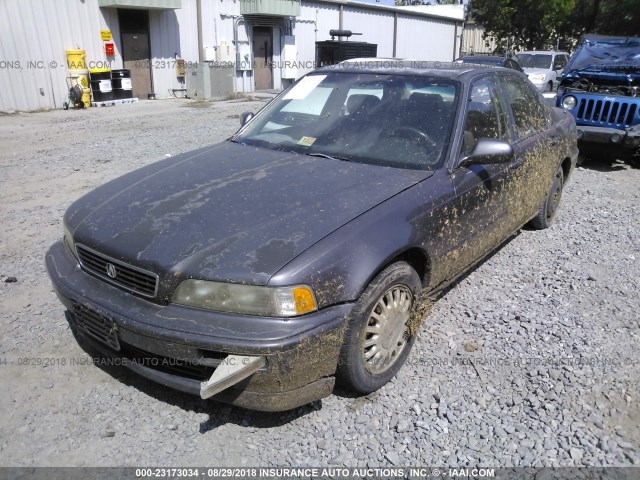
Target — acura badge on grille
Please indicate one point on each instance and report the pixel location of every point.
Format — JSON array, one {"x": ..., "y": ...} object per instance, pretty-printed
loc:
[{"x": 111, "y": 270}]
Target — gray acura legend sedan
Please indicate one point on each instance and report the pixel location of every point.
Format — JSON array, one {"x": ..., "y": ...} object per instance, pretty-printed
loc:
[{"x": 304, "y": 248}]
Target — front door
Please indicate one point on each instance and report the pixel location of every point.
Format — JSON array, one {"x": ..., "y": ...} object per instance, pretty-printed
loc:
[
  {"x": 263, "y": 57},
  {"x": 476, "y": 221},
  {"x": 136, "y": 53}
]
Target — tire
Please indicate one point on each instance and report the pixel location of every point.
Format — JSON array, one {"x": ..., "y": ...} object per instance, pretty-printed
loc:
[
  {"x": 549, "y": 207},
  {"x": 549, "y": 87},
  {"x": 386, "y": 351},
  {"x": 633, "y": 162}
]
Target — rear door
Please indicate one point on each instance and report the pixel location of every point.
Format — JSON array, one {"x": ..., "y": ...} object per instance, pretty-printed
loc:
[{"x": 535, "y": 150}]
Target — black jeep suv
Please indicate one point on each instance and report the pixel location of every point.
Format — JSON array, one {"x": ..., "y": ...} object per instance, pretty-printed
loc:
[{"x": 601, "y": 88}]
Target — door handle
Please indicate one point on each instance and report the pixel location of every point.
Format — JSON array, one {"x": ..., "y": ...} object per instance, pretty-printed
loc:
[{"x": 516, "y": 163}]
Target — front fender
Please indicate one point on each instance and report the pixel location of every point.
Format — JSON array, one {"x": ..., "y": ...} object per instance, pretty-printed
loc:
[{"x": 340, "y": 266}]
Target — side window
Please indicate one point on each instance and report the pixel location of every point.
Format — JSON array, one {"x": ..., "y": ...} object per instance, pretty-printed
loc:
[
  {"x": 559, "y": 62},
  {"x": 529, "y": 113},
  {"x": 485, "y": 117}
]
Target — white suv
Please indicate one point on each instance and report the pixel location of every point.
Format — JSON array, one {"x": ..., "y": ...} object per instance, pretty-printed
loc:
[{"x": 543, "y": 67}]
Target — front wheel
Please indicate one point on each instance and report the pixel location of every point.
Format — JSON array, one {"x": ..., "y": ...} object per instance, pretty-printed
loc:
[
  {"x": 634, "y": 162},
  {"x": 549, "y": 207},
  {"x": 382, "y": 330}
]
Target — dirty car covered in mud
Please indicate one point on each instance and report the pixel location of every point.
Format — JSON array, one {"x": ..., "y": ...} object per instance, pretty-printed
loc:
[{"x": 306, "y": 247}]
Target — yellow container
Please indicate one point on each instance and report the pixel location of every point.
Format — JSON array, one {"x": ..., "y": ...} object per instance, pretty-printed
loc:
[
  {"x": 81, "y": 76},
  {"x": 75, "y": 59},
  {"x": 86, "y": 97}
]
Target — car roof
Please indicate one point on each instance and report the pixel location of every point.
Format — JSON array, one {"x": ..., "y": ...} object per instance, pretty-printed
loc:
[
  {"x": 483, "y": 57},
  {"x": 545, "y": 52},
  {"x": 404, "y": 66}
]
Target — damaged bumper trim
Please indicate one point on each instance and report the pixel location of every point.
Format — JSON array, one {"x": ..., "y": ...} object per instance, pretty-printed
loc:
[
  {"x": 233, "y": 369},
  {"x": 237, "y": 395}
]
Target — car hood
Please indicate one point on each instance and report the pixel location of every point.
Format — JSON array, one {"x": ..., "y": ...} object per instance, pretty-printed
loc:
[
  {"x": 605, "y": 60},
  {"x": 229, "y": 212},
  {"x": 609, "y": 74}
]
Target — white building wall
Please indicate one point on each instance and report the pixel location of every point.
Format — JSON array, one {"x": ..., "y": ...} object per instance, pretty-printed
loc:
[
  {"x": 217, "y": 22},
  {"x": 472, "y": 40},
  {"x": 313, "y": 25},
  {"x": 425, "y": 39},
  {"x": 39, "y": 31},
  {"x": 218, "y": 19},
  {"x": 171, "y": 35},
  {"x": 326, "y": 16},
  {"x": 376, "y": 26}
]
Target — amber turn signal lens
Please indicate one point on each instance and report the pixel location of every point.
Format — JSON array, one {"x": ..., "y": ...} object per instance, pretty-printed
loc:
[{"x": 304, "y": 300}]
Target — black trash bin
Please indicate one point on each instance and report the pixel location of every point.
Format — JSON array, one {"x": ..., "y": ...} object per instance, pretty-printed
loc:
[
  {"x": 101, "y": 88},
  {"x": 121, "y": 84}
]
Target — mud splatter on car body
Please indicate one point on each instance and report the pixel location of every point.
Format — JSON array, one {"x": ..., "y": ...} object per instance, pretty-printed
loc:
[{"x": 281, "y": 214}]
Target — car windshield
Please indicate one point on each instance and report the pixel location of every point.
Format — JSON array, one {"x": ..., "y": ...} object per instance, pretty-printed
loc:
[
  {"x": 612, "y": 53},
  {"x": 394, "y": 120},
  {"x": 535, "y": 60}
]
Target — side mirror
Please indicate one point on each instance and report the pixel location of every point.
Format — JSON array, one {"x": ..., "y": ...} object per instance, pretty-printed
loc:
[
  {"x": 488, "y": 151},
  {"x": 245, "y": 117}
]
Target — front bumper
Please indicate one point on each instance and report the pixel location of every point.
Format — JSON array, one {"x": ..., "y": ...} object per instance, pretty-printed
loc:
[
  {"x": 609, "y": 141},
  {"x": 180, "y": 347}
]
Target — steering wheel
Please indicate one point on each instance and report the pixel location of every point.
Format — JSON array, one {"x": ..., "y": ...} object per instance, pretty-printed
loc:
[{"x": 411, "y": 132}]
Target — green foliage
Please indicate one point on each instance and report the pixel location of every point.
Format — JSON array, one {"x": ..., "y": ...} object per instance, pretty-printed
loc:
[
  {"x": 607, "y": 17},
  {"x": 542, "y": 24}
]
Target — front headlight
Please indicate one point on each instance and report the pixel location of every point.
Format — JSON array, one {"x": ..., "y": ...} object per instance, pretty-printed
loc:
[
  {"x": 68, "y": 239},
  {"x": 246, "y": 299},
  {"x": 569, "y": 102},
  {"x": 537, "y": 77}
]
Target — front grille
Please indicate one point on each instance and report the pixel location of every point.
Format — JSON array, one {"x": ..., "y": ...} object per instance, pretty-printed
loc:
[
  {"x": 102, "y": 328},
  {"x": 617, "y": 113},
  {"x": 96, "y": 325},
  {"x": 118, "y": 273},
  {"x": 183, "y": 368}
]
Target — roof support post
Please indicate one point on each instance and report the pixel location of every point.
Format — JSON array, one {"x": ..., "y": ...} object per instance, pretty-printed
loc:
[
  {"x": 199, "y": 20},
  {"x": 395, "y": 32}
]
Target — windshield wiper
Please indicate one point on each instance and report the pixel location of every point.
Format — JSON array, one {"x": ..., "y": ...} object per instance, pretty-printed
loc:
[{"x": 330, "y": 157}]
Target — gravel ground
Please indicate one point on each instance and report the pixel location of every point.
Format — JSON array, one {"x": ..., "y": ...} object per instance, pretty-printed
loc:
[{"x": 494, "y": 378}]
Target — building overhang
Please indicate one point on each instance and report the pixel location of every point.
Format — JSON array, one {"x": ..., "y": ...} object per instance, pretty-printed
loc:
[
  {"x": 141, "y": 4},
  {"x": 278, "y": 8}
]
